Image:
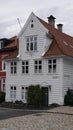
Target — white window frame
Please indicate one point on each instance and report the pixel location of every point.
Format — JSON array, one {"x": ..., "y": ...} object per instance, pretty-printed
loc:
[
  {"x": 13, "y": 92},
  {"x": 37, "y": 66},
  {"x": 3, "y": 65},
  {"x": 52, "y": 66},
  {"x": 24, "y": 93},
  {"x": 25, "y": 67},
  {"x": 3, "y": 84},
  {"x": 31, "y": 43},
  {"x": 13, "y": 67}
]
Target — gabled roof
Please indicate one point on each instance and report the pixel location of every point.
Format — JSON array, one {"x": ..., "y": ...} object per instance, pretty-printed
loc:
[
  {"x": 13, "y": 47},
  {"x": 64, "y": 42},
  {"x": 54, "y": 50}
]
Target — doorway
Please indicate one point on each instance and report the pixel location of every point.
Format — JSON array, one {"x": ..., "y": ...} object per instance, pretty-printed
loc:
[{"x": 45, "y": 93}]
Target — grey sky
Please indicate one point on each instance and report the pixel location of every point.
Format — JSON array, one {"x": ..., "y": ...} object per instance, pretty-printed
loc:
[{"x": 10, "y": 10}]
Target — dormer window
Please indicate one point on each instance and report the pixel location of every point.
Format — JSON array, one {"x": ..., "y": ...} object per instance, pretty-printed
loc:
[{"x": 31, "y": 43}]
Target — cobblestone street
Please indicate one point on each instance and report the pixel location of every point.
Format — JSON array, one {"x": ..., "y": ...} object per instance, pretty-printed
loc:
[{"x": 46, "y": 120}]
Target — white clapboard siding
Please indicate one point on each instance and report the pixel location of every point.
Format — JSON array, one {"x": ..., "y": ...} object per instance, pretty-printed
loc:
[
  {"x": 59, "y": 81},
  {"x": 44, "y": 79},
  {"x": 68, "y": 74}
]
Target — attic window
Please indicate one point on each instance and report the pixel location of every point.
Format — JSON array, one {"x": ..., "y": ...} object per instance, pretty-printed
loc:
[{"x": 32, "y": 25}]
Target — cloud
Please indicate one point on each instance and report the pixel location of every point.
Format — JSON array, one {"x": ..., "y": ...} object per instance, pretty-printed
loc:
[{"x": 11, "y": 10}]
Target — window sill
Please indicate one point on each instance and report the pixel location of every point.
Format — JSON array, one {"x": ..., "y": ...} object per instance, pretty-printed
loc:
[
  {"x": 52, "y": 73},
  {"x": 13, "y": 74},
  {"x": 33, "y": 51},
  {"x": 38, "y": 74},
  {"x": 4, "y": 70},
  {"x": 26, "y": 74}
]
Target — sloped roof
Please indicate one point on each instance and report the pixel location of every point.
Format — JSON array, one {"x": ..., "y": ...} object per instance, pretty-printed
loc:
[
  {"x": 64, "y": 42},
  {"x": 12, "y": 55},
  {"x": 14, "y": 48},
  {"x": 53, "y": 50},
  {"x": 14, "y": 42}
]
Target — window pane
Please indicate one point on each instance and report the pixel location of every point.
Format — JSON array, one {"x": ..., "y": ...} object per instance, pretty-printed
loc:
[
  {"x": 27, "y": 40},
  {"x": 23, "y": 63},
  {"x": 15, "y": 63},
  {"x": 14, "y": 87},
  {"x": 54, "y": 61},
  {"x": 31, "y": 43},
  {"x": 25, "y": 66},
  {"x": 35, "y": 38},
  {"x": 38, "y": 66},
  {"x": 31, "y": 38},
  {"x": 31, "y": 46},
  {"x": 26, "y": 62},
  {"x": 50, "y": 61},
  {"x": 23, "y": 88},
  {"x": 27, "y": 46},
  {"x": 35, "y": 45},
  {"x": 11, "y": 87},
  {"x": 35, "y": 62},
  {"x": 54, "y": 68},
  {"x": 11, "y": 63},
  {"x": 50, "y": 68},
  {"x": 40, "y": 62}
]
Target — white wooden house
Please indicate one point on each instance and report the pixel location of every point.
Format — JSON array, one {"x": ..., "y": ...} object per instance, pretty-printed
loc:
[{"x": 45, "y": 57}]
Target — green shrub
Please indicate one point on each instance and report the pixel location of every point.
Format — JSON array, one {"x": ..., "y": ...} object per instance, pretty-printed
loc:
[
  {"x": 68, "y": 98},
  {"x": 2, "y": 97},
  {"x": 34, "y": 95}
]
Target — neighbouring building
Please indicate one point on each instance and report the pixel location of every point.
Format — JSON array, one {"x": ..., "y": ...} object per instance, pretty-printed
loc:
[
  {"x": 7, "y": 46},
  {"x": 44, "y": 57}
]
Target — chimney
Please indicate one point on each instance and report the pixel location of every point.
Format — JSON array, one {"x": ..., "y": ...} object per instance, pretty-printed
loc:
[
  {"x": 51, "y": 20},
  {"x": 59, "y": 26}
]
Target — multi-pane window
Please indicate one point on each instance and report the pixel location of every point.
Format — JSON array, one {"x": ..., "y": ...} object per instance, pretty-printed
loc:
[
  {"x": 13, "y": 92},
  {"x": 25, "y": 67},
  {"x": 37, "y": 66},
  {"x": 13, "y": 67},
  {"x": 3, "y": 84},
  {"x": 52, "y": 66},
  {"x": 24, "y": 93},
  {"x": 31, "y": 43}
]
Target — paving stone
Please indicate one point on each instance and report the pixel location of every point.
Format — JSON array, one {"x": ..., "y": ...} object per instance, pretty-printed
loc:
[{"x": 41, "y": 121}]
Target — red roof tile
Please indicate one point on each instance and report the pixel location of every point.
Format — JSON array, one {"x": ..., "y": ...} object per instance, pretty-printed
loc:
[
  {"x": 12, "y": 55},
  {"x": 63, "y": 41},
  {"x": 14, "y": 42},
  {"x": 54, "y": 50}
]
